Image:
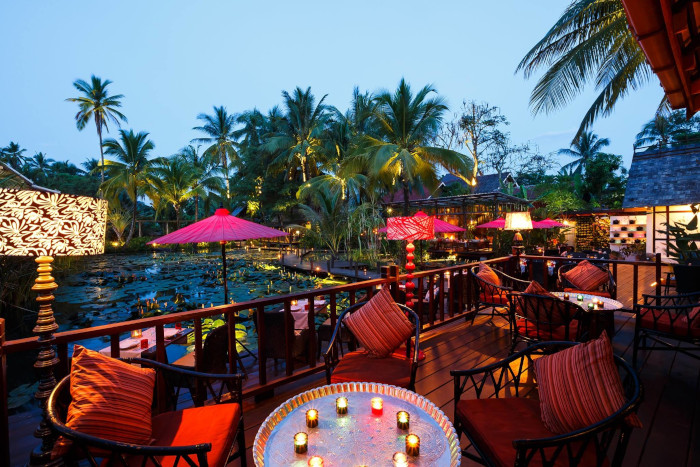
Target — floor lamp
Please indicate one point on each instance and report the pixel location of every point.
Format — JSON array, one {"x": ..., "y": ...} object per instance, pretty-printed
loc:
[
  {"x": 44, "y": 224},
  {"x": 518, "y": 221},
  {"x": 410, "y": 229}
]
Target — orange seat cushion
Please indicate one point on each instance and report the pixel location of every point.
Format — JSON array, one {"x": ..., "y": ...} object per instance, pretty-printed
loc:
[
  {"x": 110, "y": 399},
  {"x": 547, "y": 332},
  {"x": 358, "y": 366},
  {"x": 586, "y": 276},
  {"x": 488, "y": 275},
  {"x": 214, "y": 424},
  {"x": 380, "y": 325},
  {"x": 493, "y": 425},
  {"x": 499, "y": 298},
  {"x": 597, "y": 293},
  {"x": 663, "y": 323}
]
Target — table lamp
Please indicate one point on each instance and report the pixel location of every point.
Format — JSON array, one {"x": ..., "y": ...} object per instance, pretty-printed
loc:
[
  {"x": 44, "y": 224},
  {"x": 410, "y": 229},
  {"x": 518, "y": 221}
]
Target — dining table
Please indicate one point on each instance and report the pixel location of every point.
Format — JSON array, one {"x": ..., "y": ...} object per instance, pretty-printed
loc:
[
  {"x": 300, "y": 312},
  {"x": 602, "y": 316},
  {"x": 366, "y": 432},
  {"x": 135, "y": 347}
]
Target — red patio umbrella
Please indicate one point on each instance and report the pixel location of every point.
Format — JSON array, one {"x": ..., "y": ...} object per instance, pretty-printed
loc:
[
  {"x": 222, "y": 228},
  {"x": 440, "y": 226},
  {"x": 546, "y": 224},
  {"x": 499, "y": 223}
]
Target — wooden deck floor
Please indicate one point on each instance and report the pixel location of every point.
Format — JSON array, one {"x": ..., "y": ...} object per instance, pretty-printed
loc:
[{"x": 670, "y": 411}]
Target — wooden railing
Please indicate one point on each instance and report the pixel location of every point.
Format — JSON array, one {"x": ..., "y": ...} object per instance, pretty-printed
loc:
[{"x": 436, "y": 305}]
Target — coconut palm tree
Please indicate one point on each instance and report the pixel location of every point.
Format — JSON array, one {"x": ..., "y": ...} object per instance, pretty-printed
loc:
[
  {"x": 96, "y": 103},
  {"x": 328, "y": 217},
  {"x": 583, "y": 149},
  {"x": 206, "y": 175},
  {"x": 12, "y": 155},
  {"x": 667, "y": 129},
  {"x": 175, "y": 181},
  {"x": 220, "y": 130},
  {"x": 299, "y": 143},
  {"x": 130, "y": 168},
  {"x": 399, "y": 154},
  {"x": 40, "y": 165},
  {"x": 590, "y": 42}
]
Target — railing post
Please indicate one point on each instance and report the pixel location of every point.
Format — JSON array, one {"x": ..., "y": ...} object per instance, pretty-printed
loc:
[
  {"x": 657, "y": 260},
  {"x": 262, "y": 361},
  {"x": 288, "y": 339},
  {"x": 4, "y": 410}
]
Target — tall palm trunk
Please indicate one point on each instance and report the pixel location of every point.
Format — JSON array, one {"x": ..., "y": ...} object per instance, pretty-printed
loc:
[
  {"x": 224, "y": 164},
  {"x": 177, "y": 215},
  {"x": 406, "y": 194},
  {"x": 98, "y": 124},
  {"x": 134, "y": 213},
  {"x": 196, "y": 208}
]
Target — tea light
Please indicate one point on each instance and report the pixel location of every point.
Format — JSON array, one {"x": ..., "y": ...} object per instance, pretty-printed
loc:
[
  {"x": 566, "y": 296},
  {"x": 412, "y": 445},
  {"x": 144, "y": 343},
  {"x": 579, "y": 297},
  {"x": 400, "y": 459},
  {"x": 316, "y": 461},
  {"x": 591, "y": 305},
  {"x": 377, "y": 406},
  {"x": 402, "y": 419},
  {"x": 341, "y": 405},
  {"x": 301, "y": 443},
  {"x": 136, "y": 333},
  {"x": 294, "y": 302},
  {"x": 312, "y": 418}
]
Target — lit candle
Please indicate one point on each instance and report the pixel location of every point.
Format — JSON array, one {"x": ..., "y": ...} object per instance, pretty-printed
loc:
[
  {"x": 341, "y": 405},
  {"x": 136, "y": 333},
  {"x": 377, "y": 406},
  {"x": 294, "y": 302},
  {"x": 312, "y": 418},
  {"x": 566, "y": 296},
  {"x": 402, "y": 419},
  {"x": 591, "y": 305},
  {"x": 400, "y": 459},
  {"x": 316, "y": 461},
  {"x": 301, "y": 443},
  {"x": 579, "y": 297},
  {"x": 412, "y": 445}
]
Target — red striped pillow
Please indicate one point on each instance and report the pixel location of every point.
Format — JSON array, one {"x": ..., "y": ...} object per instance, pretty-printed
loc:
[
  {"x": 586, "y": 276},
  {"x": 487, "y": 274},
  {"x": 110, "y": 399},
  {"x": 535, "y": 288},
  {"x": 580, "y": 386},
  {"x": 380, "y": 325}
]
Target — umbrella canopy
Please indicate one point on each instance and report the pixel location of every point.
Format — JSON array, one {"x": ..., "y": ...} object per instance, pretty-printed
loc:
[
  {"x": 546, "y": 224},
  {"x": 499, "y": 223},
  {"x": 439, "y": 226},
  {"x": 221, "y": 227}
]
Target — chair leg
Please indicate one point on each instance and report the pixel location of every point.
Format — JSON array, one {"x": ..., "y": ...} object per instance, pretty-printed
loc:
[
  {"x": 241, "y": 444},
  {"x": 635, "y": 347}
]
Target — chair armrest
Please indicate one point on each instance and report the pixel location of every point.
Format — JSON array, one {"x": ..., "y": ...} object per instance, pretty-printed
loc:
[{"x": 514, "y": 281}]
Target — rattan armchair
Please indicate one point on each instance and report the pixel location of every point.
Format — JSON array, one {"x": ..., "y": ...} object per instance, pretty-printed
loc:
[
  {"x": 494, "y": 296},
  {"x": 502, "y": 419},
  {"x": 608, "y": 289},
  {"x": 205, "y": 389}
]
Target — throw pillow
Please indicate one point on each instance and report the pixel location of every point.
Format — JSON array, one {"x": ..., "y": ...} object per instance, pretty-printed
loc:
[
  {"x": 110, "y": 398},
  {"x": 535, "y": 288},
  {"x": 488, "y": 275},
  {"x": 586, "y": 276},
  {"x": 380, "y": 325},
  {"x": 580, "y": 386}
]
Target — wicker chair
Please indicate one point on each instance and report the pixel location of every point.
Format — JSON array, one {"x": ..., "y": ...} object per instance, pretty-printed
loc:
[
  {"x": 192, "y": 446},
  {"x": 495, "y": 296},
  {"x": 518, "y": 437},
  {"x": 661, "y": 318},
  {"x": 356, "y": 366},
  {"x": 608, "y": 289},
  {"x": 539, "y": 318}
]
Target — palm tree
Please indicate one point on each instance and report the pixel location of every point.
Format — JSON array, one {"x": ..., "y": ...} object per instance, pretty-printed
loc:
[
  {"x": 65, "y": 167},
  {"x": 328, "y": 217},
  {"x": 175, "y": 182},
  {"x": 12, "y": 155},
  {"x": 97, "y": 104},
  {"x": 666, "y": 129},
  {"x": 590, "y": 42},
  {"x": 583, "y": 149},
  {"x": 399, "y": 154},
  {"x": 130, "y": 168},
  {"x": 299, "y": 144},
  {"x": 40, "y": 164},
  {"x": 91, "y": 165},
  {"x": 206, "y": 175},
  {"x": 219, "y": 128}
]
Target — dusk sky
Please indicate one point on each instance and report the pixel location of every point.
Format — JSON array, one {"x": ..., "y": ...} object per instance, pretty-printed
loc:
[{"x": 173, "y": 60}]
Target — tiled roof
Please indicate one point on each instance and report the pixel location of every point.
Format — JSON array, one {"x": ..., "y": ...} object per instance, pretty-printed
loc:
[
  {"x": 484, "y": 183},
  {"x": 664, "y": 178},
  {"x": 12, "y": 179},
  {"x": 413, "y": 195}
]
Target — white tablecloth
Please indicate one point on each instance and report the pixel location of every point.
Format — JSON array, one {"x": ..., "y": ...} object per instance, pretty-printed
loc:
[
  {"x": 301, "y": 316},
  {"x": 131, "y": 347}
]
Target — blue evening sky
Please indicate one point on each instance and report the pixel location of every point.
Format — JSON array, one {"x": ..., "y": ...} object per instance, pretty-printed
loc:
[{"x": 173, "y": 60}]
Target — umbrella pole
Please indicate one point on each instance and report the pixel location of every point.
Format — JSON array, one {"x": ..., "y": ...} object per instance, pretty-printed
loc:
[{"x": 223, "y": 259}]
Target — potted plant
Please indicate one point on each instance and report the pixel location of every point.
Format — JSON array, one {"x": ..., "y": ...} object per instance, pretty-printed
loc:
[{"x": 683, "y": 247}]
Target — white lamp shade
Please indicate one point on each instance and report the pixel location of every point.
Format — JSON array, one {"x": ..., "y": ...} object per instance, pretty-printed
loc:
[
  {"x": 518, "y": 221},
  {"x": 39, "y": 223}
]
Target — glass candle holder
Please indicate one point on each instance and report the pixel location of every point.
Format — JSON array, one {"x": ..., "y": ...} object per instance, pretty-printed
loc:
[
  {"x": 341, "y": 405},
  {"x": 136, "y": 333},
  {"x": 412, "y": 445},
  {"x": 312, "y": 418},
  {"x": 178, "y": 326},
  {"x": 144, "y": 343},
  {"x": 377, "y": 406},
  {"x": 566, "y": 296},
  {"x": 579, "y": 297},
  {"x": 295, "y": 302},
  {"x": 400, "y": 459},
  {"x": 402, "y": 420},
  {"x": 301, "y": 443},
  {"x": 316, "y": 461},
  {"x": 591, "y": 305}
]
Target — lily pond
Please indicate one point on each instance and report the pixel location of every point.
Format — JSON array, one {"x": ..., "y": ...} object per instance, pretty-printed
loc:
[{"x": 115, "y": 288}]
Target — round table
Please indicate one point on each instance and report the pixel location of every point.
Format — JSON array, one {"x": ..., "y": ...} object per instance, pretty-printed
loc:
[
  {"x": 602, "y": 319},
  {"x": 358, "y": 437}
]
